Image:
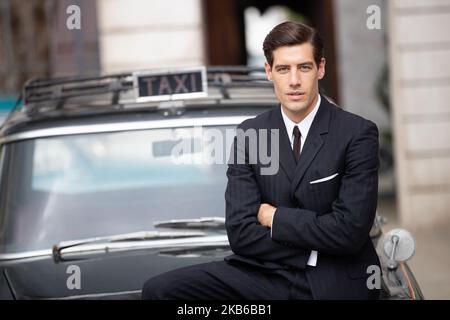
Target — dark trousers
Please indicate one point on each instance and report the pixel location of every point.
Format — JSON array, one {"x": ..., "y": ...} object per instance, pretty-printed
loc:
[{"x": 225, "y": 281}]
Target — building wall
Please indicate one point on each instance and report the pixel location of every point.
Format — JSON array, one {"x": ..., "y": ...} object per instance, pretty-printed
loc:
[
  {"x": 138, "y": 34},
  {"x": 23, "y": 43},
  {"x": 361, "y": 63},
  {"x": 73, "y": 52},
  {"x": 420, "y": 85},
  {"x": 361, "y": 57}
]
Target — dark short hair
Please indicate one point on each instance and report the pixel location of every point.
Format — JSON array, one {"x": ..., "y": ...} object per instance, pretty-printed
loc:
[{"x": 291, "y": 33}]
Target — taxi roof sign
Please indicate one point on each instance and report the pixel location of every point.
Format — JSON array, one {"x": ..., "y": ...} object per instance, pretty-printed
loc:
[{"x": 170, "y": 84}]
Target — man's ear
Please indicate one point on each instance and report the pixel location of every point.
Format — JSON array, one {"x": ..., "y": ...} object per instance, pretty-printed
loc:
[
  {"x": 268, "y": 71},
  {"x": 322, "y": 68}
]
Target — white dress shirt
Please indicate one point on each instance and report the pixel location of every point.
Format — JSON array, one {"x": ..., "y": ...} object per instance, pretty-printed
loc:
[{"x": 304, "y": 126}]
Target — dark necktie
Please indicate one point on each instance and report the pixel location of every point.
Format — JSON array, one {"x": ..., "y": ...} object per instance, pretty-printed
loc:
[{"x": 297, "y": 143}]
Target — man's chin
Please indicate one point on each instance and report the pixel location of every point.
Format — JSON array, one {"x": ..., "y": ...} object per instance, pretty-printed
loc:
[{"x": 296, "y": 108}]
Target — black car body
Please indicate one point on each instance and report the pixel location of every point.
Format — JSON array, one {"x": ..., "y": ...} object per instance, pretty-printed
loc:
[{"x": 92, "y": 203}]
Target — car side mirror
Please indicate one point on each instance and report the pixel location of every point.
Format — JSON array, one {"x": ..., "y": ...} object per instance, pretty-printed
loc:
[{"x": 399, "y": 245}]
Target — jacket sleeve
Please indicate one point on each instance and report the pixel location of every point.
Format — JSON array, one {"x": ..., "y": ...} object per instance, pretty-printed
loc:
[
  {"x": 345, "y": 229},
  {"x": 246, "y": 235}
]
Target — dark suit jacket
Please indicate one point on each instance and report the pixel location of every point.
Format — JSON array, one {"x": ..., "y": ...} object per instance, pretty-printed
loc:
[{"x": 333, "y": 217}]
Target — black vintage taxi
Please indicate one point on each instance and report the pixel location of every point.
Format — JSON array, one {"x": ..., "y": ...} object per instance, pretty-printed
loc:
[{"x": 107, "y": 181}]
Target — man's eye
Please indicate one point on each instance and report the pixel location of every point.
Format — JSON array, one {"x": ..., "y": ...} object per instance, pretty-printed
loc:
[
  {"x": 283, "y": 69},
  {"x": 305, "y": 68}
]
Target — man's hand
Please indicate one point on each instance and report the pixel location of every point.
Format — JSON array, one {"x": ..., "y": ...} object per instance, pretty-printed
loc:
[{"x": 265, "y": 214}]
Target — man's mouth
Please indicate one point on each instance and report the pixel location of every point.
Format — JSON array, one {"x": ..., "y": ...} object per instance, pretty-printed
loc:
[{"x": 296, "y": 95}]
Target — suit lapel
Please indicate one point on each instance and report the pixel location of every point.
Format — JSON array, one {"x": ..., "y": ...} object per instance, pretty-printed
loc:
[{"x": 313, "y": 143}]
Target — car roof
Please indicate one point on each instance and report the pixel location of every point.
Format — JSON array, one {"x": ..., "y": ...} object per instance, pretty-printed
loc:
[{"x": 110, "y": 99}]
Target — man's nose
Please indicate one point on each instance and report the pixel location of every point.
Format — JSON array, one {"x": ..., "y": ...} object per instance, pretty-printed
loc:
[{"x": 294, "y": 79}]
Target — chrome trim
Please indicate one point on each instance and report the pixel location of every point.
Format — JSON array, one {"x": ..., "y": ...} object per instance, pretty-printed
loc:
[
  {"x": 96, "y": 295},
  {"x": 123, "y": 126},
  {"x": 25, "y": 254},
  {"x": 215, "y": 240},
  {"x": 148, "y": 235},
  {"x": 200, "y": 223}
]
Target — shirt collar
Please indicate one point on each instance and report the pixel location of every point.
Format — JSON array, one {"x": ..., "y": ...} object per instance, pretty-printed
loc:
[{"x": 303, "y": 125}]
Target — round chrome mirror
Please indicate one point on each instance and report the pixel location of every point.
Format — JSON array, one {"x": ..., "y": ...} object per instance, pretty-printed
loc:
[{"x": 399, "y": 245}]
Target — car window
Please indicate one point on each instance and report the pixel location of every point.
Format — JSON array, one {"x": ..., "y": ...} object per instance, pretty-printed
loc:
[{"x": 87, "y": 185}]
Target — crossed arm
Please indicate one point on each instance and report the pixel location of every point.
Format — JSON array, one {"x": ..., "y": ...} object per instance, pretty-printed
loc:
[{"x": 296, "y": 231}]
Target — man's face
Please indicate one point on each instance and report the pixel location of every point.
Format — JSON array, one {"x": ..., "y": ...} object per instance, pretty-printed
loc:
[{"x": 295, "y": 76}]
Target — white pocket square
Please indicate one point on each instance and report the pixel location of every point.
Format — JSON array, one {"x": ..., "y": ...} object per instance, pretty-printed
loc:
[{"x": 324, "y": 179}]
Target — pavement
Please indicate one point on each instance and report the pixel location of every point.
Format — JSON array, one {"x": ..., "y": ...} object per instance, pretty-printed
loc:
[{"x": 431, "y": 262}]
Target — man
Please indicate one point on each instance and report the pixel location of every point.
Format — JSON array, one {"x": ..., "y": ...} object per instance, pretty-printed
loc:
[{"x": 302, "y": 232}]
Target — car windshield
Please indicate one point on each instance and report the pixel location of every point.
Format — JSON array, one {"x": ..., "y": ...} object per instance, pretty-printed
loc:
[{"x": 90, "y": 185}]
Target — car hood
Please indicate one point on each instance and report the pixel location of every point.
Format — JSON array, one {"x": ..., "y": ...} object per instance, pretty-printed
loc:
[{"x": 101, "y": 276}]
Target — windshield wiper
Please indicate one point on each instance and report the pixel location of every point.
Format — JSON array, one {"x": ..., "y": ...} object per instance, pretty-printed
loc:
[
  {"x": 133, "y": 236},
  {"x": 216, "y": 249},
  {"x": 199, "y": 223}
]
